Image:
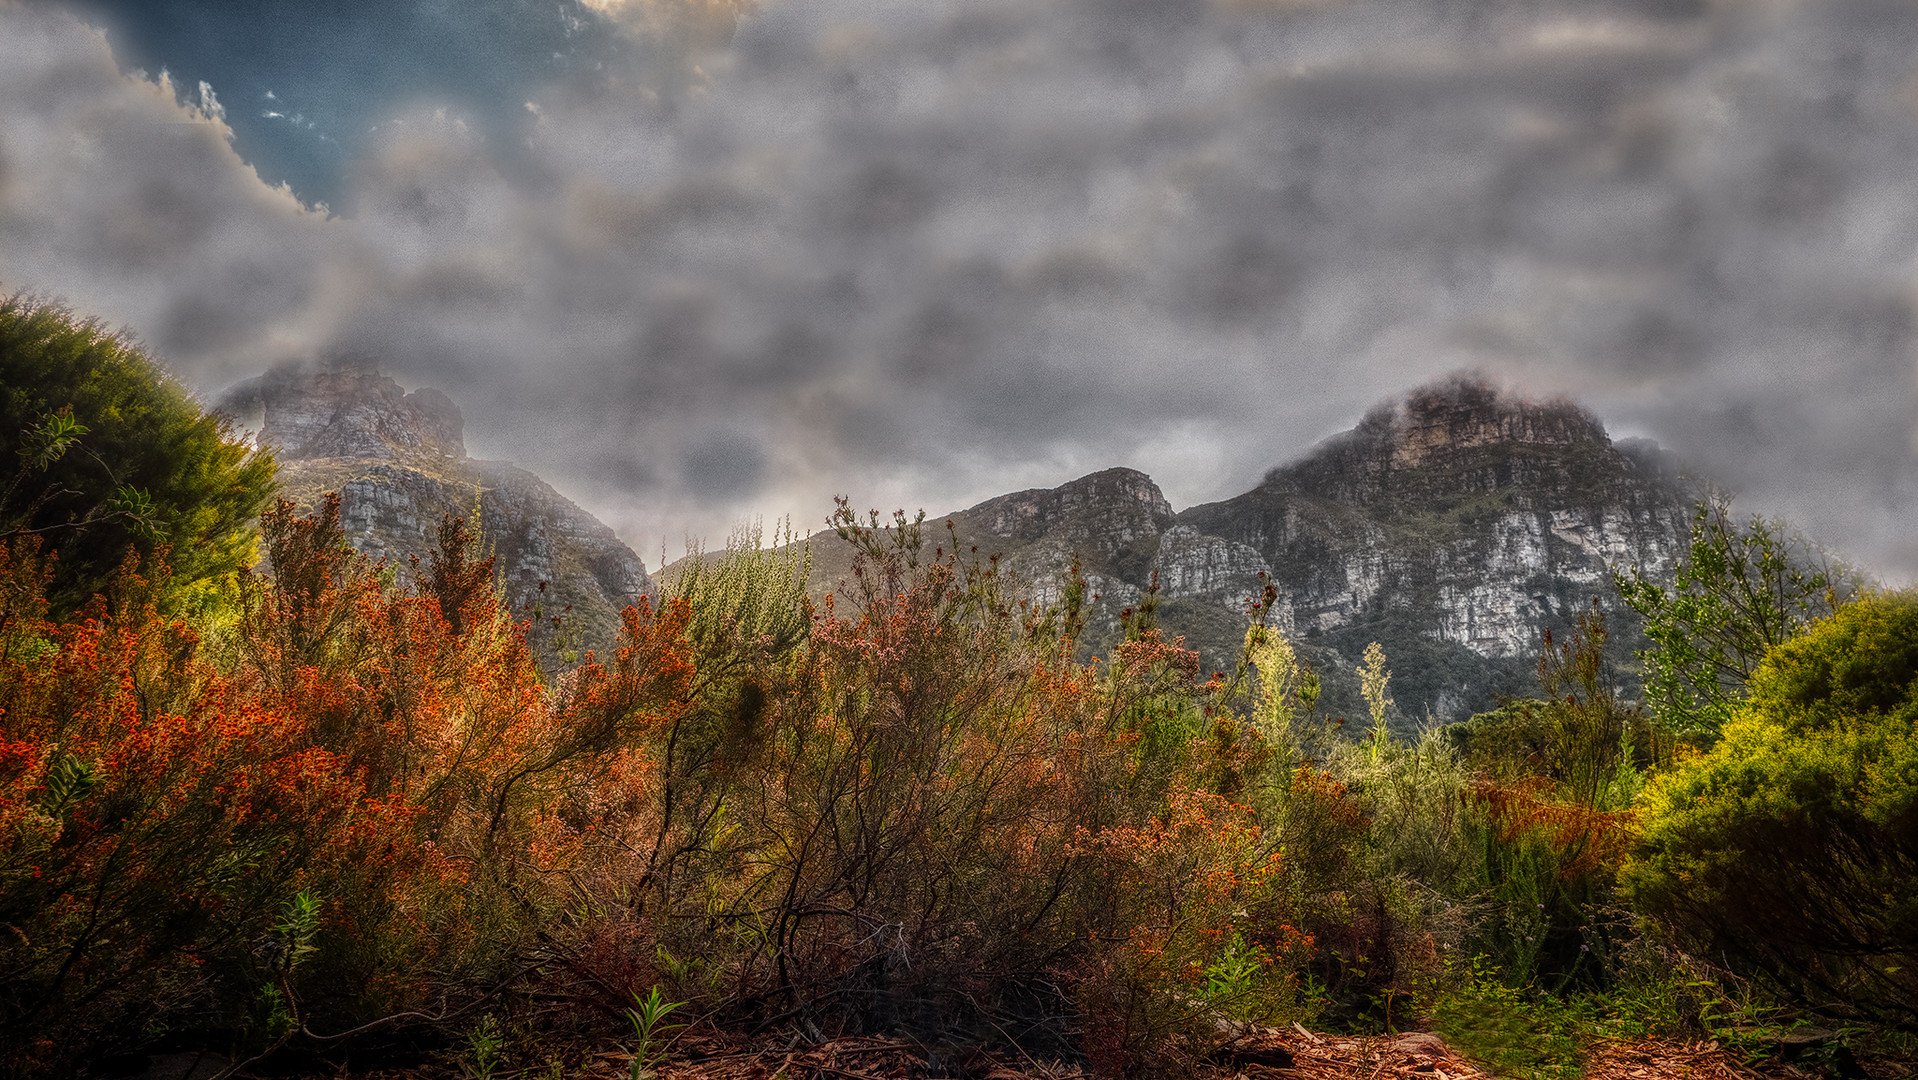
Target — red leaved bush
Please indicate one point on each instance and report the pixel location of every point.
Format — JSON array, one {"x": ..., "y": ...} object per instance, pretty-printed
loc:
[
  {"x": 1584, "y": 839},
  {"x": 167, "y": 792},
  {"x": 157, "y": 813}
]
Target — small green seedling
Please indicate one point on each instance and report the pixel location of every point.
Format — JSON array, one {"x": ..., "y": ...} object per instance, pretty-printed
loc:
[
  {"x": 646, "y": 1016},
  {"x": 487, "y": 1043}
]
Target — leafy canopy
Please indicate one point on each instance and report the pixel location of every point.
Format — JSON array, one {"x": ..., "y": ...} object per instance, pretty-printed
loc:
[
  {"x": 111, "y": 452},
  {"x": 1740, "y": 591}
]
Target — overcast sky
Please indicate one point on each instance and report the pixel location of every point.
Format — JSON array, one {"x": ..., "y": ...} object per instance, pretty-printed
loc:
[{"x": 694, "y": 262}]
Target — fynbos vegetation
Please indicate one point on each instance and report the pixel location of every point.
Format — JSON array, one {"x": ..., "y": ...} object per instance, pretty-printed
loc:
[{"x": 334, "y": 800}]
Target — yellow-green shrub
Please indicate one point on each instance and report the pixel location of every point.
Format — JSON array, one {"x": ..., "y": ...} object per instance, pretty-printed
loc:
[{"x": 1792, "y": 846}]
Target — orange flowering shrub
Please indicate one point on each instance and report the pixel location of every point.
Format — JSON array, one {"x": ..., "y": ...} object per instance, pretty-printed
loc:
[
  {"x": 354, "y": 795},
  {"x": 1197, "y": 927},
  {"x": 383, "y": 761},
  {"x": 155, "y": 815}
]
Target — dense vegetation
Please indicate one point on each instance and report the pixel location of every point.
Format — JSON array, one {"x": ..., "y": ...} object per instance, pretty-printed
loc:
[
  {"x": 112, "y": 454},
  {"x": 1794, "y": 842},
  {"x": 333, "y": 800}
]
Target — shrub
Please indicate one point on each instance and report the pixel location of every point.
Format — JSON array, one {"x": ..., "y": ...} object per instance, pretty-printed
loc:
[
  {"x": 1516, "y": 1032},
  {"x": 353, "y": 799},
  {"x": 115, "y": 454},
  {"x": 1740, "y": 591},
  {"x": 1497, "y": 838},
  {"x": 155, "y": 820},
  {"x": 340, "y": 802},
  {"x": 1792, "y": 846},
  {"x": 925, "y": 813}
]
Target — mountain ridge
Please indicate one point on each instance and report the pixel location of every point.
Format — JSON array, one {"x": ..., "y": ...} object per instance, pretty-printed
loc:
[{"x": 1453, "y": 525}]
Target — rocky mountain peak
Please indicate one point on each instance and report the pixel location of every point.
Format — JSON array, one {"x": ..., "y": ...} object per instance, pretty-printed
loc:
[
  {"x": 1113, "y": 496},
  {"x": 1465, "y": 412},
  {"x": 1111, "y": 519},
  {"x": 1461, "y": 437},
  {"x": 311, "y": 415},
  {"x": 398, "y": 461},
  {"x": 1453, "y": 526}
]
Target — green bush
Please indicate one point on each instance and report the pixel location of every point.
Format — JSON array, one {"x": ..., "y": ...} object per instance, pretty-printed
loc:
[
  {"x": 1498, "y": 838},
  {"x": 112, "y": 453},
  {"x": 1515, "y": 1032},
  {"x": 1792, "y": 846}
]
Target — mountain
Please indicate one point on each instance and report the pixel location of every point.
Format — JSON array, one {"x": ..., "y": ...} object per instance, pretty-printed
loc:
[
  {"x": 399, "y": 462},
  {"x": 1452, "y": 527},
  {"x": 1118, "y": 525}
]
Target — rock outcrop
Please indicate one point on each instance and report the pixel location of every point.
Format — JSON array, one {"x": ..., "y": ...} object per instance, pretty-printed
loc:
[
  {"x": 356, "y": 414},
  {"x": 1120, "y": 527},
  {"x": 399, "y": 462},
  {"x": 1452, "y": 527}
]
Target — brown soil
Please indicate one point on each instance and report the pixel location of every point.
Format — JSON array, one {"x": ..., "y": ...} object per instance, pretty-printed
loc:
[{"x": 1267, "y": 1054}]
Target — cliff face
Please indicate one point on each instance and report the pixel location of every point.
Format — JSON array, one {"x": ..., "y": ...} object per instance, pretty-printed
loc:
[
  {"x": 1123, "y": 531},
  {"x": 1452, "y": 527},
  {"x": 399, "y": 462}
]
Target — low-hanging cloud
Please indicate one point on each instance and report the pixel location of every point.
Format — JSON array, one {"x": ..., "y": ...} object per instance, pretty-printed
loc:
[{"x": 927, "y": 252}]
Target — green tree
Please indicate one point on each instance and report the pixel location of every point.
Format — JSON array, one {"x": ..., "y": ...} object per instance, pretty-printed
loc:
[
  {"x": 1741, "y": 591},
  {"x": 1792, "y": 846},
  {"x": 112, "y": 453}
]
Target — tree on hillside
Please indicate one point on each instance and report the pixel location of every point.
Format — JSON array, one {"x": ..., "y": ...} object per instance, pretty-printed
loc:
[
  {"x": 111, "y": 452},
  {"x": 1741, "y": 591}
]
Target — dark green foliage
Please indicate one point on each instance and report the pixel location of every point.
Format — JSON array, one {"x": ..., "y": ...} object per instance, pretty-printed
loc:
[
  {"x": 1792, "y": 847},
  {"x": 1511, "y": 1031},
  {"x": 1499, "y": 740},
  {"x": 137, "y": 464}
]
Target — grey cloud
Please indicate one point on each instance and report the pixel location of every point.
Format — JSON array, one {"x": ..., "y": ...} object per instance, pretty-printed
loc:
[
  {"x": 924, "y": 253},
  {"x": 137, "y": 209},
  {"x": 724, "y": 466}
]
